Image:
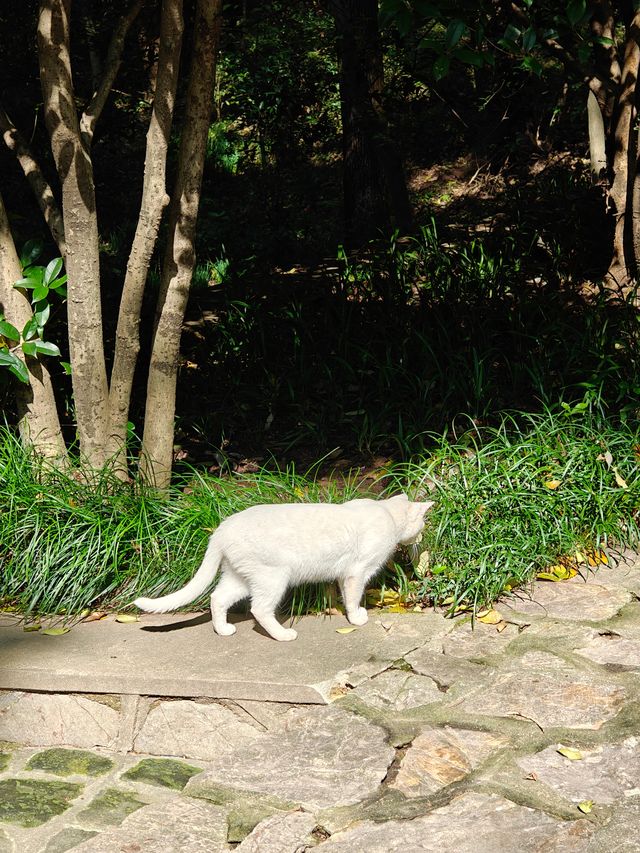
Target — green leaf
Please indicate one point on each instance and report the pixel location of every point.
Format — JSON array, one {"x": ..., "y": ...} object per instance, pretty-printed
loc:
[
  {"x": 66, "y": 367},
  {"x": 575, "y": 11},
  {"x": 31, "y": 250},
  {"x": 15, "y": 365},
  {"x": 441, "y": 67},
  {"x": 39, "y": 293},
  {"x": 56, "y": 632},
  {"x": 46, "y": 348},
  {"x": 52, "y": 270},
  {"x": 454, "y": 33},
  {"x": 41, "y": 314},
  {"x": 27, "y": 283},
  {"x": 9, "y": 331},
  {"x": 529, "y": 39},
  {"x": 30, "y": 329},
  {"x": 512, "y": 33},
  {"x": 29, "y": 347},
  {"x": 58, "y": 282},
  {"x": 530, "y": 63},
  {"x": 469, "y": 57}
]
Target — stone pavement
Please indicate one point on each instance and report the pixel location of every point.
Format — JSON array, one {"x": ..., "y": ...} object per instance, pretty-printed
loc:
[{"x": 413, "y": 733}]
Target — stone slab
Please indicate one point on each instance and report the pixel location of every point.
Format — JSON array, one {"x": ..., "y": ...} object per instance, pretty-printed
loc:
[
  {"x": 319, "y": 758},
  {"x": 176, "y": 825},
  {"x": 438, "y": 757},
  {"x": 396, "y": 690},
  {"x": 180, "y": 655},
  {"x": 285, "y": 833},
  {"x": 543, "y": 688},
  {"x": 193, "y": 729},
  {"x": 36, "y": 719},
  {"x": 580, "y": 602},
  {"x": 471, "y": 823},
  {"x": 604, "y": 774}
]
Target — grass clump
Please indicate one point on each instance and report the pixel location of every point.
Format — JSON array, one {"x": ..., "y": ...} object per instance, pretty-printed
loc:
[
  {"x": 510, "y": 501},
  {"x": 513, "y": 500}
]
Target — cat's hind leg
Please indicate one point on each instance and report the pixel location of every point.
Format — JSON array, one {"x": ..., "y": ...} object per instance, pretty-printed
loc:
[
  {"x": 351, "y": 589},
  {"x": 230, "y": 589},
  {"x": 264, "y": 600}
]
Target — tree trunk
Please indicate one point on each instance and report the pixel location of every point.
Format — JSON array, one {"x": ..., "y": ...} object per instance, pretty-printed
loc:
[
  {"x": 179, "y": 260},
  {"x": 44, "y": 195},
  {"x": 375, "y": 193},
  {"x": 624, "y": 161},
  {"x": 38, "y": 422},
  {"x": 154, "y": 200},
  {"x": 74, "y": 167}
]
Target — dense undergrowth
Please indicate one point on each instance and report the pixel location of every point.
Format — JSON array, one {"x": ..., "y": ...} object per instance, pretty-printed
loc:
[{"x": 510, "y": 501}]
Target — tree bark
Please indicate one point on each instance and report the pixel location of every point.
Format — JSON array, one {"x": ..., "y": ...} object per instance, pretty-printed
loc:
[
  {"x": 44, "y": 195},
  {"x": 38, "y": 422},
  {"x": 624, "y": 160},
  {"x": 75, "y": 170},
  {"x": 154, "y": 200},
  {"x": 179, "y": 260},
  {"x": 375, "y": 193}
]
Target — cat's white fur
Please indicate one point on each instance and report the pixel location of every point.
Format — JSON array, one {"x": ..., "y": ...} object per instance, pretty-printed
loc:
[{"x": 263, "y": 550}]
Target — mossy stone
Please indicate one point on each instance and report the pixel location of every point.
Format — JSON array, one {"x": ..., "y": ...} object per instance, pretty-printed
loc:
[
  {"x": 110, "y": 808},
  {"x": 32, "y": 802},
  {"x": 68, "y": 762},
  {"x": 162, "y": 771},
  {"x": 5, "y": 757},
  {"x": 68, "y": 838}
]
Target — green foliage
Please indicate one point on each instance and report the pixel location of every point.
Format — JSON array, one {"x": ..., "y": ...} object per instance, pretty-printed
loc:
[
  {"x": 512, "y": 500},
  {"x": 41, "y": 281},
  {"x": 277, "y": 84},
  {"x": 76, "y": 540},
  {"x": 477, "y": 35}
]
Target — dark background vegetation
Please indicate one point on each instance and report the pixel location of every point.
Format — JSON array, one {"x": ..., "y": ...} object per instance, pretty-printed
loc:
[{"x": 293, "y": 345}]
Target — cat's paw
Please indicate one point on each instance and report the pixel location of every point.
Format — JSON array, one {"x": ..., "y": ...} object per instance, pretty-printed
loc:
[
  {"x": 225, "y": 630},
  {"x": 358, "y": 617},
  {"x": 286, "y": 635}
]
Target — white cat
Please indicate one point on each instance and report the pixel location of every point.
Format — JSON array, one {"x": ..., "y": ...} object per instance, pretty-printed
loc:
[{"x": 263, "y": 550}]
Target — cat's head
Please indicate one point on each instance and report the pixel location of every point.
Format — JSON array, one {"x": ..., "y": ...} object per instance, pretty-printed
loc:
[{"x": 410, "y": 517}]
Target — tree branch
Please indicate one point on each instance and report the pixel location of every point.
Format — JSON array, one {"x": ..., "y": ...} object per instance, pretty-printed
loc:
[
  {"x": 112, "y": 64},
  {"x": 44, "y": 195}
]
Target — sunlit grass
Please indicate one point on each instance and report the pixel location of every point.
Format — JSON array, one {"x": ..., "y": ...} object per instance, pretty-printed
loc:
[{"x": 70, "y": 542}]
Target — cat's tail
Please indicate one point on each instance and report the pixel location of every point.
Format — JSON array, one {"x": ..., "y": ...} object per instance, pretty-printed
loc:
[{"x": 202, "y": 579}]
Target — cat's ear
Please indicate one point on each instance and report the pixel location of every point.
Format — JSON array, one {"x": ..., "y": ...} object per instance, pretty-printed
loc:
[
  {"x": 426, "y": 506},
  {"x": 421, "y": 508},
  {"x": 399, "y": 498}
]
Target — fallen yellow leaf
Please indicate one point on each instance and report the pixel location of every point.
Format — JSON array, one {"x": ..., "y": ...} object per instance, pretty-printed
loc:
[
  {"x": 35, "y": 627},
  {"x": 345, "y": 630},
  {"x": 619, "y": 481},
  {"x": 552, "y": 484},
  {"x": 570, "y": 753},
  {"x": 95, "y": 616},
  {"x": 85, "y": 612},
  {"x": 547, "y": 576},
  {"x": 490, "y": 617},
  {"x": 56, "y": 632},
  {"x": 422, "y": 566},
  {"x": 586, "y": 806},
  {"x": 126, "y": 617}
]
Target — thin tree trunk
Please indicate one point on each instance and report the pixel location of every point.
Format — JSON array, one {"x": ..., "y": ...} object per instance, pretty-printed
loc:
[
  {"x": 179, "y": 260},
  {"x": 365, "y": 209},
  {"x": 624, "y": 160},
  {"x": 375, "y": 190},
  {"x": 44, "y": 195},
  {"x": 38, "y": 422},
  {"x": 70, "y": 143},
  {"x": 154, "y": 200}
]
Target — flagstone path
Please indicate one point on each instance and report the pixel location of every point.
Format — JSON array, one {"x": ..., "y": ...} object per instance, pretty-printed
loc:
[{"x": 522, "y": 738}]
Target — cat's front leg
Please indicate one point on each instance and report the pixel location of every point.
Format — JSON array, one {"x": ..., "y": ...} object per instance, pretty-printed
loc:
[{"x": 351, "y": 589}]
